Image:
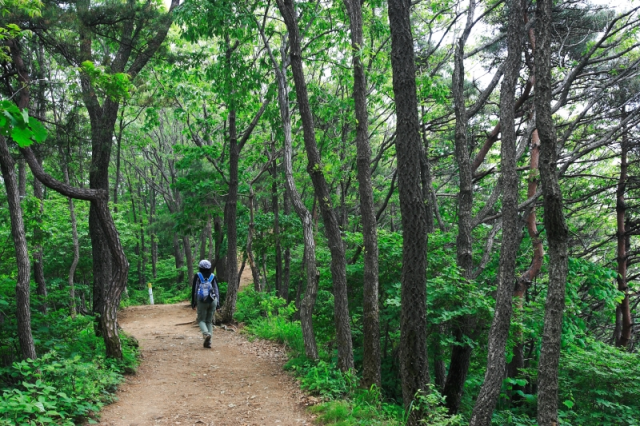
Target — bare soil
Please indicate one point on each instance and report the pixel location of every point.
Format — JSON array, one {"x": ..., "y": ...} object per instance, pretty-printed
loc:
[{"x": 179, "y": 382}]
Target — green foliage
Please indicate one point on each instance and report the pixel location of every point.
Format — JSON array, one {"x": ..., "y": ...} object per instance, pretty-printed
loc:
[
  {"x": 116, "y": 86},
  {"x": 17, "y": 124},
  {"x": 254, "y": 306},
  {"x": 599, "y": 385},
  {"x": 53, "y": 389},
  {"x": 431, "y": 404}
]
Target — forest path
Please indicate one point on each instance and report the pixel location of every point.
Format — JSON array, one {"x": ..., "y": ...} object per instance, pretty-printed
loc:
[{"x": 235, "y": 383}]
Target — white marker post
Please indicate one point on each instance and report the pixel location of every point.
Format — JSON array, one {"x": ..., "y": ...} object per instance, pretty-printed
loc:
[{"x": 150, "y": 294}]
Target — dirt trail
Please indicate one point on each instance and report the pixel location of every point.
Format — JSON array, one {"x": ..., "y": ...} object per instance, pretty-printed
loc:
[{"x": 179, "y": 382}]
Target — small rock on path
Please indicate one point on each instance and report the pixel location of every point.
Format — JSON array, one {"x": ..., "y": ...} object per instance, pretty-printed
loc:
[{"x": 235, "y": 383}]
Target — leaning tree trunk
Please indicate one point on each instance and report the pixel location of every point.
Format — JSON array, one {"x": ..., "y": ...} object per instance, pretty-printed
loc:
[
  {"x": 321, "y": 188},
  {"x": 499, "y": 332},
  {"x": 413, "y": 355},
  {"x": 554, "y": 223},
  {"x": 23, "y": 308},
  {"x": 371, "y": 322},
  {"x": 114, "y": 289},
  {"x": 309, "y": 256}
]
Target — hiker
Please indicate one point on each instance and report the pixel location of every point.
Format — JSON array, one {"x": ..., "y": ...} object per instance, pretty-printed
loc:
[{"x": 206, "y": 298}]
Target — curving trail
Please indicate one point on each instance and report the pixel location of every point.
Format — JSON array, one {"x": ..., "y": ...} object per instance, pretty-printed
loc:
[{"x": 236, "y": 383}]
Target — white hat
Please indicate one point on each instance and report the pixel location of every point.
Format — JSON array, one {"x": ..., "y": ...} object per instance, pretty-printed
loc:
[{"x": 204, "y": 264}]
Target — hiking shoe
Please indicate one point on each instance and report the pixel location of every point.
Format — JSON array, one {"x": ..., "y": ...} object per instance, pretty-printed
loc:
[{"x": 207, "y": 341}]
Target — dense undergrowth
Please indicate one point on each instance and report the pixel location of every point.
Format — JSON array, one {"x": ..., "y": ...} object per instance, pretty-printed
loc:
[{"x": 71, "y": 380}]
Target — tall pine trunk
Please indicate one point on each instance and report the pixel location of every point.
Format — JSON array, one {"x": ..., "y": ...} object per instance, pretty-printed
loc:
[
  {"x": 414, "y": 367},
  {"x": 499, "y": 332},
  {"x": 461, "y": 351},
  {"x": 371, "y": 321},
  {"x": 554, "y": 223},
  {"x": 624, "y": 320}
]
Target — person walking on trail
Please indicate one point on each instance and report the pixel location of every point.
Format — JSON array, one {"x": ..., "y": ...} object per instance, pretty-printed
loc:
[{"x": 206, "y": 298}]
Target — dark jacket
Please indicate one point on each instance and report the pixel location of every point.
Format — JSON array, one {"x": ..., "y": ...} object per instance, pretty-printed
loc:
[{"x": 194, "y": 288}]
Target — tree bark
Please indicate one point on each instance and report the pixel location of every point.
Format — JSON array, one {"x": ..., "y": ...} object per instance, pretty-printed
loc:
[
  {"x": 76, "y": 244},
  {"x": 38, "y": 270},
  {"x": 413, "y": 355},
  {"x": 220, "y": 262},
  {"x": 321, "y": 188},
  {"x": 108, "y": 320},
  {"x": 309, "y": 255},
  {"x": 499, "y": 332},
  {"x": 23, "y": 306},
  {"x": 255, "y": 271},
  {"x": 276, "y": 227},
  {"x": 22, "y": 179},
  {"x": 188, "y": 254},
  {"x": 231, "y": 208},
  {"x": 461, "y": 352},
  {"x": 179, "y": 259},
  {"x": 286, "y": 274},
  {"x": 371, "y": 322},
  {"x": 624, "y": 320},
  {"x": 154, "y": 242},
  {"x": 554, "y": 223}
]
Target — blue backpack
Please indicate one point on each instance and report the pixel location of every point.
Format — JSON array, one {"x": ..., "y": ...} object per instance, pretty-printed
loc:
[{"x": 205, "y": 289}]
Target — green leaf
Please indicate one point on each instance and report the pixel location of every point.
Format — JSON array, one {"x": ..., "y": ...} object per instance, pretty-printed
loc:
[
  {"x": 22, "y": 136},
  {"x": 39, "y": 131},
  {"x": 568, "y": 403}
]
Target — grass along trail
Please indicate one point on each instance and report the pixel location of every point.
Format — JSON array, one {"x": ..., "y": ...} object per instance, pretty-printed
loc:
[{"x": 179, "y": 382}]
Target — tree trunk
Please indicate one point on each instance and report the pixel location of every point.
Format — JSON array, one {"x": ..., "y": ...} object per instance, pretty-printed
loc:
[
  {"x": 38, "y": 270},
  {"x": 220, "y": 262},
  {"x": 554, "y": 223},
  {"x": 154, "y": 242},
  {"x": 525, "y": 280},
  {"x": 231, "y": 209},
  {"x": 178, "y": 255},
  {"x": 305, "y": 306},
  {"x": 371, "y": 322},
  {"x": 23, "y": 308},
  {"x": 76, "y": 244},
  {"x": 255, "y": 271},
  {"x": 113, "y": 290},
  {"x": 321, "y": 188},
  {"x": 413, "y": 355},
  {"x": 461, "y": 352},
  {"x": 276, "y": 227},
  {"x": 188, "y": 254},
  {"x": 624, "y": 321},
  {"x": 499, "y": 332},
  {"x": 286, "y": 275}
]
